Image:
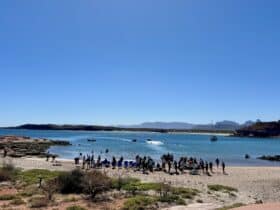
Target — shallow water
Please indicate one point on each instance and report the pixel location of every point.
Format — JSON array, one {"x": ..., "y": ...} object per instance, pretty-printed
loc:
[{"x": 230, "y": 149}]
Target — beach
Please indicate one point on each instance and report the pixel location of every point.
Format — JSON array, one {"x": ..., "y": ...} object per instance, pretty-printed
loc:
[{"x": 254, "y": 184}]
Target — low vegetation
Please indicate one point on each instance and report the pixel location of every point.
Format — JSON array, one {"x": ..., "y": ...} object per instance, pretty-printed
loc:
[
  {"x": 75, "y": 208},
  {"x": 7, "y": 197},
  {"x": 222, "y": 188},
  {"x": 41, "y": 188},
  {"x": 8, "y": 173},
  {"x": 33, "y": 176},
  {"x": 17, "y": 201},
  {"x": 236, "y": 205},
  {"x": 38, "y": 202},
  {"x": 139, "y": 202}
]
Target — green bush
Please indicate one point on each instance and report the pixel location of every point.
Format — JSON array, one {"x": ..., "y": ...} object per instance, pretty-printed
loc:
[
  {"x": 139, "y": 202},
  {"x": 188, "y": 193},
  {"x": 75, "y": 208},
  {"x": 171, "y": 198},
  {"x": 120, "y": 183},
  {"x": 71, "y": 182}
]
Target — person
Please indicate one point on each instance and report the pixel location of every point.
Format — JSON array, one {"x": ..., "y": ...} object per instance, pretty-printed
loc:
[
  {"x": 223, "y": 167},
  {"x": 217, "y": 162},
  {"x": 176, "y": 167},
  {"x": 206, "y": 167},
  {"x": 114, "y": 162},
  {"x": 211, "y": 167},
  {"x": 169, "y": 166},
  {"x": 84, "y": 162},
  {"x": 5, "y": 152},
  {"x": 201, "y": 163}
]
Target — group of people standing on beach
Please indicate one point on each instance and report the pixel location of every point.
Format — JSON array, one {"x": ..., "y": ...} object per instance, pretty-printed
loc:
[{"x": 146, "y": 164}]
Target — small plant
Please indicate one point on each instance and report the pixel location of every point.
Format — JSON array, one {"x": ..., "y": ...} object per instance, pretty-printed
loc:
[
  {"x": 7, "y": 197},
  {"x": 222, "y": 188},
  {"x": 139, "y": 202},
  {"x": 75, "y": 208},
  {"x": 171, "y": 198},
  {"x": 38, "y": 202},
  {"x": 199, "y": 201},
  {"x": 72, "y": 199},
  {"x": 17, "y": 201},
  {"x": 188, "y": 193}
]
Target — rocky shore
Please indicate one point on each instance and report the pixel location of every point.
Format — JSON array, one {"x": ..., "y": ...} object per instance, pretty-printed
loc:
[
  {"x": 270, "y": 157},
  {"x": 16, "y": 146}
]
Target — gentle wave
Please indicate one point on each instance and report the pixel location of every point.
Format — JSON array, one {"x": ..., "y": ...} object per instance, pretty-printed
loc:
[{"x": 155, "y": 142}]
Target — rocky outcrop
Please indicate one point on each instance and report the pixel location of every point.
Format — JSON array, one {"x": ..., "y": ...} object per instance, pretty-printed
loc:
[
  {"x": 270, "y": 158},
  {"x": 260, "y": 129},
  {"x": 16, "y": 146}
]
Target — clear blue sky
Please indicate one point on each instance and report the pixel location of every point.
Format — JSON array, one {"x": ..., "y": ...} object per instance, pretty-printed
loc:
[{"x": 124, "y": 62}]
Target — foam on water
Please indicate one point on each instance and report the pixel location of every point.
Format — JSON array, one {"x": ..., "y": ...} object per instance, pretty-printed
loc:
[{"x": 155, "y": 142}]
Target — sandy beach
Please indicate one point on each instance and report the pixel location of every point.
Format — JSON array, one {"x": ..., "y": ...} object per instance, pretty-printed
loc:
[{"x": 254, "y": 184}]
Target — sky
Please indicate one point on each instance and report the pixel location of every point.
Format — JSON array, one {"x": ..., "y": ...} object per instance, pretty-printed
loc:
[{"x": 114, "y": 62}]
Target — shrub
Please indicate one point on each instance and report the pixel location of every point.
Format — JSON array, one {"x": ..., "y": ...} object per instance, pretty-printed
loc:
[
  {"x": 30, "y": 190},
  {"x": 50, "y": 187},
  {"x": 188, "y": 193},
  {"x": 8, "y": 173},
  {"x": 139, "y": 202},
  {"x": 222, "y": 188},
  {"x": 38, "y": 202},
  {"x": 17, "y": 201},
  {"x": 7, "y": 197},
  {"x": 120, "y": 182},
  {"x": 75, "y": 208},
  {"x": 71, "y": 182},
  {"x": 95, "y": 183},
  {"x": 171, "y": 198}
]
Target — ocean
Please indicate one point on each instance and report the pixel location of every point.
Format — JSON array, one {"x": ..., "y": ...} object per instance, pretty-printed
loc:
[{"x": 229, "y": 149}]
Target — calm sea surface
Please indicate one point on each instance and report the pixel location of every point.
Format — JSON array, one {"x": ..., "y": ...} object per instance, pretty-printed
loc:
[{"x": 229, "y": 149}]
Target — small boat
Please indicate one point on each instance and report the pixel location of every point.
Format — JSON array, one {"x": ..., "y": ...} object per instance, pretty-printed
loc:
[
  {"x": 92, "y": 140},
  {"x": 133, "y": 140},
  {"x": 149, "y": 139},
  {"x": 214, "y": 138}
]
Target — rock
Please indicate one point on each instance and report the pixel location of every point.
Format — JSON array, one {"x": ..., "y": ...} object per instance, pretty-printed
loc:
[
  {"x": 16, "y": 146},
  {"x": 270, "y": 158}
]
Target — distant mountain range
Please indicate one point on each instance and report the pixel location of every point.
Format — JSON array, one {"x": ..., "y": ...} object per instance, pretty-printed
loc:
[{"x": 222, "y": 125}]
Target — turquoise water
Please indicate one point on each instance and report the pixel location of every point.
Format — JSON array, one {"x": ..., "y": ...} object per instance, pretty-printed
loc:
[{"x": 229, "y": 149}]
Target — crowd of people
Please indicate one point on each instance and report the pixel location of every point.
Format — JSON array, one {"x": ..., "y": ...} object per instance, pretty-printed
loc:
[{"x": 146, "y": 164}]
